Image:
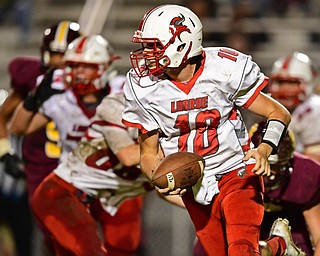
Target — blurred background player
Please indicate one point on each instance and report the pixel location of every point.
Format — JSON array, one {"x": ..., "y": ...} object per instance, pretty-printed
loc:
[
  {"x": 39, "y": 150},
  {"x": 100, "y": 171},
  {"x": 89, "y": 76},
  {"x": 54, "y": 44},
  {"x": 292, "y": 81},
  {"x": 87, "y": 73},
  {"x": 292, "y": 192}
]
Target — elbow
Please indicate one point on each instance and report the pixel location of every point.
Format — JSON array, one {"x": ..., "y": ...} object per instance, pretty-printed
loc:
[
  {"x": 287, "y": 117},
  {"x": 281, "y": 114}
]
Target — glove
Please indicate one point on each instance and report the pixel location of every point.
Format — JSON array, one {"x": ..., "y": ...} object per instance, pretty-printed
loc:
[
  {"x": 13, "y": 165},
  {"x": 43, "y": 92}
]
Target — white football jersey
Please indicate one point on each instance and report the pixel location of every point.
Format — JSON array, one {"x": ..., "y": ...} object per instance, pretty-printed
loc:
[
  {"x": 201, "y": 115},
  {"x": 71, "y": 118},
  {"x": 93, "y": 166},
  {"x": 305, "y": 123}
]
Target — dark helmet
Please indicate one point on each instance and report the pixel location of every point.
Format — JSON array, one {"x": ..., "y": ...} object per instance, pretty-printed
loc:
[
  {"x": 57, "y": 37},
  {"x": 280, "y": 163}
]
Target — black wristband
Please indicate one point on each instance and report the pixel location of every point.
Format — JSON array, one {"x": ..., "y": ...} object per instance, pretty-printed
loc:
[{"x": 30, "y": 103}]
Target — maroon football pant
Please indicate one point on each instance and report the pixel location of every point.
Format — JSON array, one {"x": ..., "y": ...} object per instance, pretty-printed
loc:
[
  {"x": 59, "y": 207},
  {"x": 230, "y": 225}
]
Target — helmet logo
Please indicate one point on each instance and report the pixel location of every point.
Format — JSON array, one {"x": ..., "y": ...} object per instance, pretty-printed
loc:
[{"x": 177, "y": 27}]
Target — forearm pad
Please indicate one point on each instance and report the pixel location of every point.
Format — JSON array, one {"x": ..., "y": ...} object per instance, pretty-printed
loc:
[{"x": 274, "y": 132}]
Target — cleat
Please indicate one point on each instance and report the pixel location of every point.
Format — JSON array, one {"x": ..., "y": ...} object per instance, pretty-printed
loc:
[{"x": 281, "y": 228}]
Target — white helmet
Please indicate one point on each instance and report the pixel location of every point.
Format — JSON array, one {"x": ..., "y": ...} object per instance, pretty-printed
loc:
[
  {"x": 295, "y": 68},
  {"x": 174, "y": 29},
  {"x": 95, "y": 50}
]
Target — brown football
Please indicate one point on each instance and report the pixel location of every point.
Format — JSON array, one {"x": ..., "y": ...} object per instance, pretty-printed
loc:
[{"x": 179, "y": 170}]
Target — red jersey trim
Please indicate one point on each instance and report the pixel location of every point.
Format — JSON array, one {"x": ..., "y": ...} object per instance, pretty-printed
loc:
[
  {"x": 256, "y": 93},
  {"x": 135, "y": 125},
  {"x": 105, "y": 123},
  {"x": 186, "y": 87},
  {"x": 87, "y": 112}
]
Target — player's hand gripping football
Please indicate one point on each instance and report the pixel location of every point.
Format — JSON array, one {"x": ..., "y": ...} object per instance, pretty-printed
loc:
[
  {"x": 168, "y": 192},
  {"x": 178, "y": 172},
  {"x": 260, "y": 154}
]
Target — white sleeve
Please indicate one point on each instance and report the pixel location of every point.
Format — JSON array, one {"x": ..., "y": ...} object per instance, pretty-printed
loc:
[
  {"x": 115, "y": 133},
  {"x": 134, "y": 114},
  {"x": 251, "y": 81},
  {"x": 236, "y": 74}
]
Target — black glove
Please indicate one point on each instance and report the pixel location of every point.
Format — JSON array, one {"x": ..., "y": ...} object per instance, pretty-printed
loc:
[
  {"x": 13, "y": 165},
  {"x": 40, "y": 94}
]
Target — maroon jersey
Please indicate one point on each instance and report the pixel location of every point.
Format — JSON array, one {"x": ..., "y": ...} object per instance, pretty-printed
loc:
[
  {"x": 24, "y": 72},
  {"x": 300, "y": 192},
  {"x": 304, "y": 183},
  {"x": 40, "y": 151}
]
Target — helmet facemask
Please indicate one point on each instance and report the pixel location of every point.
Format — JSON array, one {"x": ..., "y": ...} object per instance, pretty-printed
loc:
[
  {"x": 150, "y": 59},
  {"x": 170, "y": 35},
  {"x": 290, "y": 92},
  {"x": 292, "y": 79},
  {"x": 89, "y": 51},
  {"x": 85, "y": 84}
]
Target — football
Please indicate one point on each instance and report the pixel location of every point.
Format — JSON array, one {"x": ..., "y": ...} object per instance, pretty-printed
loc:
[{"x": 179, "y": 170}]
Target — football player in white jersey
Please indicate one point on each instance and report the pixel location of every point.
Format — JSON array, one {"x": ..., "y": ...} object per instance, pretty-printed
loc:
[
  {"x": 293, "y": 78},
  {"x": 182, "y": 97},
  {"x": 88, "y": 76},
  {"x": 100, "y": 171}
]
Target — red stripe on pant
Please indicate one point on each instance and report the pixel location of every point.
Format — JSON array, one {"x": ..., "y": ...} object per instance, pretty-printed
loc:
[{"x": 230, "y": 225}]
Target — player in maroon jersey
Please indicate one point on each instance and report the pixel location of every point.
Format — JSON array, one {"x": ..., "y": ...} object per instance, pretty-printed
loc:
[
  {"x": 292, "y": 192},
  {"x": 44, "y": 149},
  {"x": 39, "y": 150},
  {"x": 24, "y": 71}
]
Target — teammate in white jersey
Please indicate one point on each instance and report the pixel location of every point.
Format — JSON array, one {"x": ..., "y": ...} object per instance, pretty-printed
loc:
[
  {"x": 89, "y": 76},
  {"x": 293, "y": 78},
  {"x": 100, "y": 171},
  {"x": 185, "y": 98}
]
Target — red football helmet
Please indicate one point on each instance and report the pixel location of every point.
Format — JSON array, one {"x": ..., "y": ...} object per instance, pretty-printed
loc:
[
  {"x": 94, "y": 51},
  {"x": 170, "y": 35},
  {"x": 280, "y": 163},
  {"x": 57, "y": 37},
  {"x": 292, "y": 79}
]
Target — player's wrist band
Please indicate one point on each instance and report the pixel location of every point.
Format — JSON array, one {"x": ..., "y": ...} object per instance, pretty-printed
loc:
[
  {"x": 275, "y": 130},
  {"x": 4, "y": 146}
]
